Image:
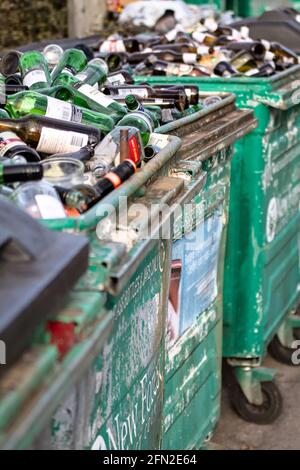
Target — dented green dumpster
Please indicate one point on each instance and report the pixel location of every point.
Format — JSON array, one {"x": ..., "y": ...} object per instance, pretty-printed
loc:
[{"x": 262, "y": 268}]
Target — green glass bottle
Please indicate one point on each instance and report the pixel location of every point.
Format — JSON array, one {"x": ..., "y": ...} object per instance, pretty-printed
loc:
[
  {"x": 89, "y": 97},
  {"x": 30, "y": 102},
  {"x": 34, "y": 70},
  {"x": 4, "y": 114},
  {"x": 72, "y": 62},
  {"x": 142, "y": 121},
  {"x": 95, "y": 73}
]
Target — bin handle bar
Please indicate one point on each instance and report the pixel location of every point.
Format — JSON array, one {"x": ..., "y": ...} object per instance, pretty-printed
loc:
[{"x": 170, "y": 127}]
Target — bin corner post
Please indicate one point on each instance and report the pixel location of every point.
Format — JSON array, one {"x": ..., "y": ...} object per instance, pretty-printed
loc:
[{"x": 85, "y": 17}]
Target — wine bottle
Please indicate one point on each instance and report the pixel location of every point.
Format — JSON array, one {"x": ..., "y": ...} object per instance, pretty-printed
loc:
[
  {"x": 83, "y": 197},
  {"x": 46, "y": 135},
  {"x": 176, "y": 95},
  {"x": 86, "y": 96},
  {"x": 119, "y": 78},
  {"x": 142, "y": 121},
  {"x": 73, "y": 61},
  {"x": 11, "y": 145},
  {"x": 94, "y": 73},
  {"x": 30, "y": 102}
]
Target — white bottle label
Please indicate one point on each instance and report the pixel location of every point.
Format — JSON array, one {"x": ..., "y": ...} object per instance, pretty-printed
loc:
[
  {"x": 8, "y": 140},
  {"x": 189, "y": 58},
  {"x": 96, "y": 95},
  {"x": 159, "y": 140},
  {"x": 58, "y": 109},
  {"x": 33, "y": 77},
  {"x": 113, "y": 45},
  {"x": 49, "y": 207},
  {"x": 142, "y": 92},
  {"x": 116, "y": 79},
  {"x": 58, "y": 141}
]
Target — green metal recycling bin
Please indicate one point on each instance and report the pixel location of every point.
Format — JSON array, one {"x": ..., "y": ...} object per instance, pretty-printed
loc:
[
  {"x": 194, "y": 341},
  {"x": 262, "y": 268},
  {"x": 75, "y": 391},
  {"x": 247, "y": 8}
]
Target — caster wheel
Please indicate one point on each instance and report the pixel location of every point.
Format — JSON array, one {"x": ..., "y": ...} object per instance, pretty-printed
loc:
[
  {"x": 297, "y": 330},
  {"x": 281, "y": 353},
  {"x": 264, "y": 414}
]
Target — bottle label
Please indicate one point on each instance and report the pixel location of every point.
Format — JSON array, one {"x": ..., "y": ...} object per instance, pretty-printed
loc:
[
  {"x": 8, "y": 140},
  {"x": 81, "y": 76},
  {"x": 96, "y": 95},
  {"x": 33, "y": 77},
  {"x": 58, "y": 141},
  {"x": 58, "y": 109},
  {"x": 116, "y": 79},
  {"x": 189, "y": 58},
  {"x": 145, "y": 118},
  {"x": 142, "y": 92},
  {"x": 181, "y": 69},
  {"x": 113, "y": 45},
  {"x": 159, "y": 140},
  {"x": 49, "y": 207}
]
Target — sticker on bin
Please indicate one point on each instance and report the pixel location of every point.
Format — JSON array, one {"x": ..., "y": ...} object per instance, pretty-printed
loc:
[{"x": 159, "y": 140}]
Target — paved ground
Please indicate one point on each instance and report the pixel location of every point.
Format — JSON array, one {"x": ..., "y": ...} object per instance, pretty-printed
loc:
[{"x": 234, "y": 434}]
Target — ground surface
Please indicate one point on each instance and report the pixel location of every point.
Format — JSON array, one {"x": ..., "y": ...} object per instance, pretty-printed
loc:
[{"x": 235, "y": 434}]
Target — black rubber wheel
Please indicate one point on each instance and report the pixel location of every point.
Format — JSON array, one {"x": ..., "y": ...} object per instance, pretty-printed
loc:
[
  {"x": 281, "y": 353},
  {"x": 264, "y": 414}
]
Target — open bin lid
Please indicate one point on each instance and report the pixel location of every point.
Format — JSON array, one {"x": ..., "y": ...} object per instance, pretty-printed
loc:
[{"x": 37, "y": 269}]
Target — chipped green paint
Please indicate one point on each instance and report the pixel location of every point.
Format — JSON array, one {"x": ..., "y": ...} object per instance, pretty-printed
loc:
[{"x": 262, "y": 273}]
